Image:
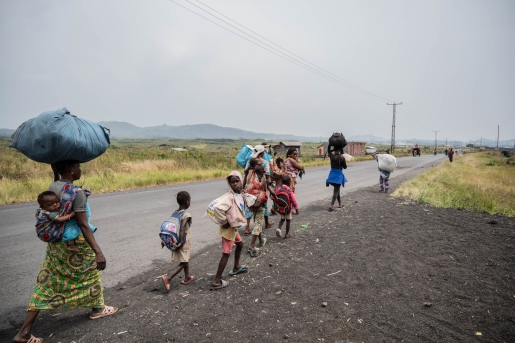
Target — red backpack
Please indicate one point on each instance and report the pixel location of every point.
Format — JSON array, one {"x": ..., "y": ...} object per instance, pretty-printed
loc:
[{"x": 283, "y": 196}]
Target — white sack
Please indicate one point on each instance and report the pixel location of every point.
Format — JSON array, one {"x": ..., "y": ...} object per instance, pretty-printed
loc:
[
  {"x": 348, "y": 157},
  {"x": 210, "y": 211},
  {"x": 387, "y": 162}
]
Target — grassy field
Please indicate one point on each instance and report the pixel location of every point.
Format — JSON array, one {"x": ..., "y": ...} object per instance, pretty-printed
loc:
[
  {"x": 478, "y": 181},
  {"x": 482, "y": 182},
  {"x": 129, "y": 164}
]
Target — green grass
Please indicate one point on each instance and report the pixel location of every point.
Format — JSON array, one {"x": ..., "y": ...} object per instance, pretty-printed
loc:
[
  {"x": 483, "y": 182},
  {"x": 135, "y": 163},
  {"x": 132, "y": 163}
]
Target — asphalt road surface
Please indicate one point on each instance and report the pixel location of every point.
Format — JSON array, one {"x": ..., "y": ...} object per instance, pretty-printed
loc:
[{"x": 128, "y": 225}]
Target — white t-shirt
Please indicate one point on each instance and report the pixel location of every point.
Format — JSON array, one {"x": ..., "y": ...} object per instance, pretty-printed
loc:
[{"x": 239, "y": 200}]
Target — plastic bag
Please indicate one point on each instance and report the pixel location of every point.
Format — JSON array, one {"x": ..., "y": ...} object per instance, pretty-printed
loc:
[
  {"x": 58, "y": 136},
  {"x": 387, "y": 162},
  {"x": 244, "y": 155}
]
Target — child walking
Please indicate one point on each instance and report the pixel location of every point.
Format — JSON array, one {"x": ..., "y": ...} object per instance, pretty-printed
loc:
[
  {"x": 384, "y": 176},
  {"x": 181, "y": 253},
  {"x": 257, "y": 185},
  {"x": 286, "y": 199},
  {"x": 230, "y": 214}
]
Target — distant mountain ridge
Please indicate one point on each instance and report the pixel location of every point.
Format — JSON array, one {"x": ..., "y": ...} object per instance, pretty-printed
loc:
[{"x": 208, "y": 131}]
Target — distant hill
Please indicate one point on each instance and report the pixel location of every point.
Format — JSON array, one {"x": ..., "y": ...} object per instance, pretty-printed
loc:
[
  {"x": 6, "y": 132},
  {"x": 208, "y": 131}
]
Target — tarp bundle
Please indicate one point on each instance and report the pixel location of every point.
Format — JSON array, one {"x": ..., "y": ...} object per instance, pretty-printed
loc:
[{"x": 58, "y": 136}]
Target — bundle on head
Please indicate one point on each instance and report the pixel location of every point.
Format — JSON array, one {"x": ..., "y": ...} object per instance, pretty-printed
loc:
[{"x": 336, "y": 143}]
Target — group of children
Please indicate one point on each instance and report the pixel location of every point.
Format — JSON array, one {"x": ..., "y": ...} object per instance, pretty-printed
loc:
[{"x": 233, "y": 212}]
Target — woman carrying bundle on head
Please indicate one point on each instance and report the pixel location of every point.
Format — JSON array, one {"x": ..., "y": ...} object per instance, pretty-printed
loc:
[
  {"x": 68, "y": 279},
  {"x": 336, "y": 177}
]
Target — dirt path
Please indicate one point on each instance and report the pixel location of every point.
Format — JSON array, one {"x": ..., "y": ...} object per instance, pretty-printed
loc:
[{"x": 389, "y": 271}]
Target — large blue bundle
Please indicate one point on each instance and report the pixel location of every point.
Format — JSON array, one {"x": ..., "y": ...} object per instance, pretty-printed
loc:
[{"x": 58, "y": 136}]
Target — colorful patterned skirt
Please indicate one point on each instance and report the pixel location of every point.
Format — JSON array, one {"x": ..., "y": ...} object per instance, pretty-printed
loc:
[{"x": 68, "y": 280}]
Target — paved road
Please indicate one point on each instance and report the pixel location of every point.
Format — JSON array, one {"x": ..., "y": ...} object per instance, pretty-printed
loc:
[{"x": 128, "y": 225}]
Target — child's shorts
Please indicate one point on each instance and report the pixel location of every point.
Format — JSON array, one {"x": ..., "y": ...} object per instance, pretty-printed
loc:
[
  {"x": 227, "y": 244},
  {"x": 249, "y": 214},
  {"x": 286, "y": 216}
]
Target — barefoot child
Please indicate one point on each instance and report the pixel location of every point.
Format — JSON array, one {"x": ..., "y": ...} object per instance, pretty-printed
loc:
[
  {"x": 181, "y": 253},
  {"x": 285, "y": 199},
  {"x": 230, "y": 214},
  {"x": 48, "y": 214}
]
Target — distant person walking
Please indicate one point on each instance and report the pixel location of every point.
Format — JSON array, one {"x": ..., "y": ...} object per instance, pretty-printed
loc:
[
  {"x": 259, "y": 153},
  {"x": 336, "y": 177},
  {"x": 276, "y": 175},
  {"x": 293, "y": 168},
  {"x": 384, "y": 176},
  {"x": 450, "y": 154}
]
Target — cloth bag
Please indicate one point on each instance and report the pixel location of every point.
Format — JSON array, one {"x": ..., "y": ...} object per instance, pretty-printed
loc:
[{"x": 55, "y": 136}]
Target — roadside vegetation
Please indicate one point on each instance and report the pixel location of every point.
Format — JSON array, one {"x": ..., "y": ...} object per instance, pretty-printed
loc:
[
  {"x": 132, "y": 163},
  {"x": 483, "y": 182}
]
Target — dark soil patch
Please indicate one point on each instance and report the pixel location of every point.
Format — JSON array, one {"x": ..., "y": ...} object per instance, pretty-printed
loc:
[{"x": 389, "y": 270}]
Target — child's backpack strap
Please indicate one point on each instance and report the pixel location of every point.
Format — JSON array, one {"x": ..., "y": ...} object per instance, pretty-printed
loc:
[{"x": 53, "y": 232}]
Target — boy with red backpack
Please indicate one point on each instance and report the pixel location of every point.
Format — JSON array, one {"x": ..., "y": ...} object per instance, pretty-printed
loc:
[{"x": 285, "y": 199}]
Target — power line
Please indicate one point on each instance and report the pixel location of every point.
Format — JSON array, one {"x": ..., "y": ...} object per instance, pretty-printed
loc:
[
  {"x": 288, "y": 58},
  {"x": 509, "y": 116},
  {"x": 414, "y": 118},
  {"x": 325, "y": 71}
]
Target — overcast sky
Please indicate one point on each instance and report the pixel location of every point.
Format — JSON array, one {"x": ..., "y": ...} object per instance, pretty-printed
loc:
[{"x": 451, "y": 63}]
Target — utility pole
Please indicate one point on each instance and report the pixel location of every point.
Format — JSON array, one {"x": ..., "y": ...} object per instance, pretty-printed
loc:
[
  {"x": 497, "y": 145},
  {"x": 436, "y": 133},
  {"x": 392, "y": 146}
]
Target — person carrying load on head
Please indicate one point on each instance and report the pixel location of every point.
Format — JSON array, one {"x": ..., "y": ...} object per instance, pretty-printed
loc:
[{"x": 336, "y": 177}]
